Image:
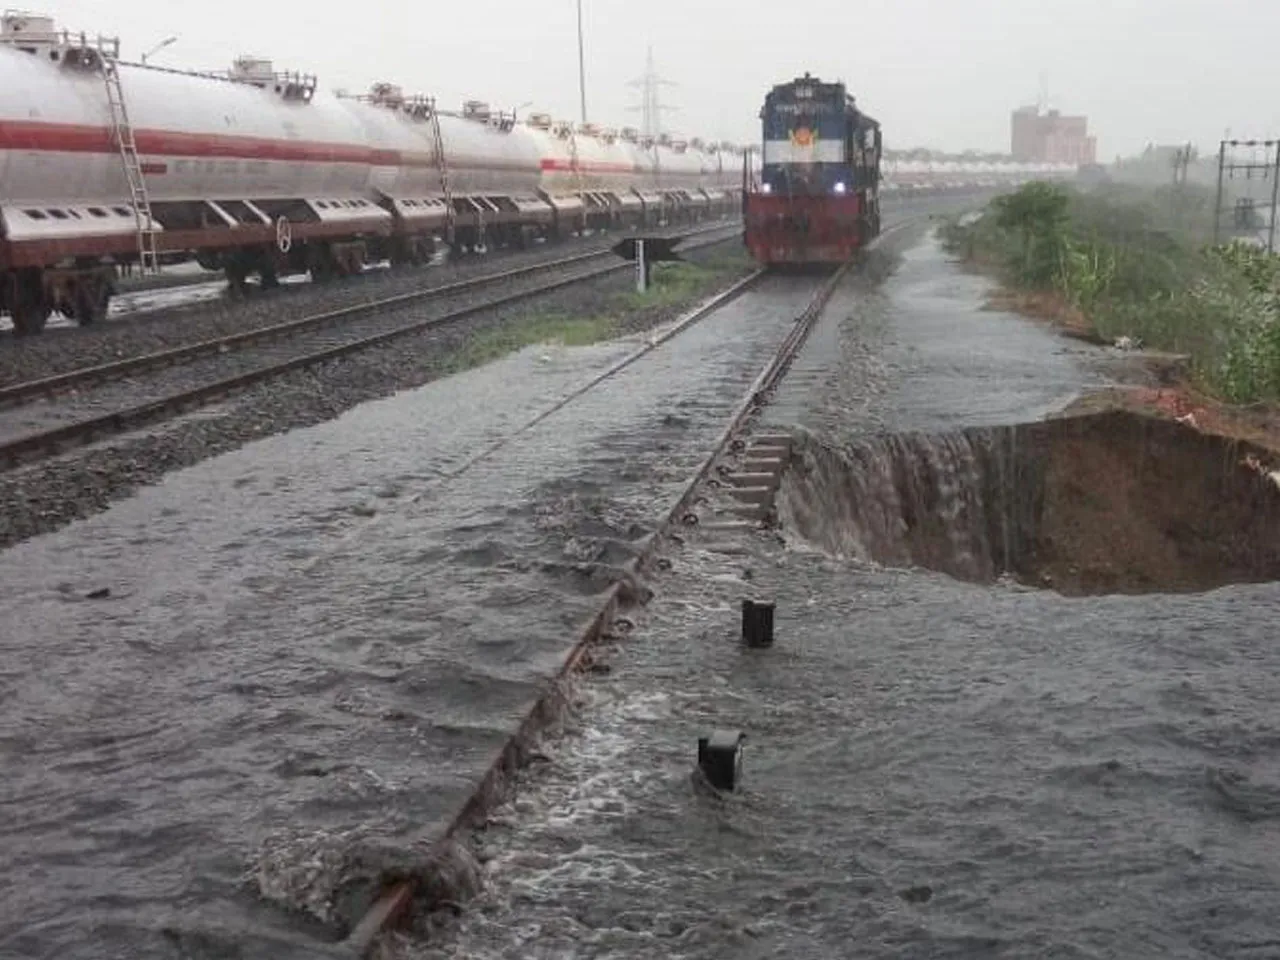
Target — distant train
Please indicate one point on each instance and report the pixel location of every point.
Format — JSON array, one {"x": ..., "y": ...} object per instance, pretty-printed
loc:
[
  {"x": 818, "y": 196},
  {"x": 105, "y": 164}
]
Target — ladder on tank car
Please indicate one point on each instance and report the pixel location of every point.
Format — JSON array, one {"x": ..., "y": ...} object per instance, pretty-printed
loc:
[
  {"x": 442, "y": 165},
  {"x": 577, "y": 173},
  {"x": 122, "y": 132}
]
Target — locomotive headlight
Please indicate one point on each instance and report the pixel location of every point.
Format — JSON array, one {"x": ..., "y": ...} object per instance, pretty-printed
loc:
[
  {"x": 766, "y": 188},
  {"x": 840, "y": 187}
]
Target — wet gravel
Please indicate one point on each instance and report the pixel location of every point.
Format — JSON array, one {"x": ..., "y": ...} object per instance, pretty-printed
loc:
[
  {"x": 933, "y": 768},
  {"x": 68, "y": 348},
  {"x": 49, "y": 494},
  {"x": 155, "y": 385}
]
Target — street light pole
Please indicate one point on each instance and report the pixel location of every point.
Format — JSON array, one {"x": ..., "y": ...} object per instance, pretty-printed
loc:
[{"x": 582, "y": 69}]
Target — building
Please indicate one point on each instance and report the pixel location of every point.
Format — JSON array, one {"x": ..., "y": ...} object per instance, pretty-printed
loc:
[{"x": 1051, "y": 138}]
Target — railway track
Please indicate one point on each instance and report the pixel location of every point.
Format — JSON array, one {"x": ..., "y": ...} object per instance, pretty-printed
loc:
[
  {"x": 102, "y": 405},
  {"x": 26, "y": 390},
  {"x": 190, "y": 310},
  {"x": 145, "y": 301},
  {"x": 399, "y": 900}
]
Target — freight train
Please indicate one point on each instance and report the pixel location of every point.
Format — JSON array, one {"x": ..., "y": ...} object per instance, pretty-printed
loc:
[
  {"x": 818, "y": 197},
  {"x": 107, "y": 165},
  {"x": 922, "y": 174}
]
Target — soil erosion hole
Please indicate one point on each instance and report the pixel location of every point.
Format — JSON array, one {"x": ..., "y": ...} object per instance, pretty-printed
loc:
[{"x": 1108, "y": 503}]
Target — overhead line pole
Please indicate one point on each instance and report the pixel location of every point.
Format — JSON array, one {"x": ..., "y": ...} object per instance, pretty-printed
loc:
[
  {"x": 582, "y": 67},
  {"x": 1275, "y": 197},
  {"x": 1217, "y": 204}
]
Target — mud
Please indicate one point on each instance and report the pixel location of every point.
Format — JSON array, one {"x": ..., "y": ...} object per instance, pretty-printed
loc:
[{"x": 1106, "y": 503}]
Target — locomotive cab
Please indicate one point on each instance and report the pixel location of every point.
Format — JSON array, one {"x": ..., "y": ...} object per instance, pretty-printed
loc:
[{"x": 818, "y": 196}]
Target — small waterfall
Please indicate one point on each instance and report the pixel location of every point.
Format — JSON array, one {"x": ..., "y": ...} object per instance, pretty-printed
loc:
[
  {"x": 1106, "y": 503},
  {"x": 953, "y": 502}
]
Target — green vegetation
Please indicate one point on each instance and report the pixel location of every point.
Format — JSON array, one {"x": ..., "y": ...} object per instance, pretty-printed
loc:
[
  {"x": 671, "y": 285},
  {"x": 1140, "y": 265},
  {"x": 489, "y": 345}
]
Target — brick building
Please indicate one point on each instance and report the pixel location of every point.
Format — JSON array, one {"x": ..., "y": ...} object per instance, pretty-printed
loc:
[{"x": 1052, "y": 138}]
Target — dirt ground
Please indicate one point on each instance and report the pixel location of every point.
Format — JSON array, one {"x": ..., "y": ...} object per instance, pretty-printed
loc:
[
  {"x": 1258, "y": 424},
  {"x": 1049, "y": 307},
  {"x": 1116, "y": 522},
  {"x": 1136, "y": 504}
]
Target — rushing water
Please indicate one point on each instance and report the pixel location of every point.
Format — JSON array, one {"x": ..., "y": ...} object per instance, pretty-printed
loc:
[
  {"x": 311, "y": 648},
  {"x": 1110, "y": 502},
  {"x": 934, "y": 768}
]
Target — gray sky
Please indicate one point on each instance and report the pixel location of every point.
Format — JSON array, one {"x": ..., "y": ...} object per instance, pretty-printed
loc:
[{"x": 942, "y": 73}]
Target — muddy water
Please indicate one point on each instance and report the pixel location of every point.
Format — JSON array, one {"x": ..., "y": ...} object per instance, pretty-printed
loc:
[
  {"x": 933, "y": 767},
  {"x": 1105, "y": 503},
  {"x": 920, "y": 352},
  {"x": 324, "y": 631}
]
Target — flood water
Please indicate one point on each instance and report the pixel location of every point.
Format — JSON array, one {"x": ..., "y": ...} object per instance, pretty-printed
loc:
[
  {"x": 321, "y": 640},
  {"x": 934, "y": 768}
]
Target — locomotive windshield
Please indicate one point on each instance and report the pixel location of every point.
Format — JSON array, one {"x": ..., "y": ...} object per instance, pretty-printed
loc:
[{"x": 815, "y": 140}]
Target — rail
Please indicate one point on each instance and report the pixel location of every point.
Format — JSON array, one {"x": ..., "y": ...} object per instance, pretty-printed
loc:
[
  {"x": 45, "y": 443},
  {"x": 396, "y": 900},
  {"x": 72, "y": 379}
]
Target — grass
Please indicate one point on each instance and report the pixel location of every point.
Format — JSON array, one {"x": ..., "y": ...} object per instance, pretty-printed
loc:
[
  {"x": 671, "y": 283},
  {"x": 1140, "y": 264},
  {"x": 549, "y": 327},
  {"x": 671, "y": 287}
]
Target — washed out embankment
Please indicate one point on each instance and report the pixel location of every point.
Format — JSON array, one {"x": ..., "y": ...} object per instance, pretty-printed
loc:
[{"x": 1105, "y": 503}]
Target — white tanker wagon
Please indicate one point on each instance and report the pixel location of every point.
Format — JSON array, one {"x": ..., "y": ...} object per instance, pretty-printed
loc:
[
  {"x": 907, "y": 175},
  {"x": 107, "y": 165}
]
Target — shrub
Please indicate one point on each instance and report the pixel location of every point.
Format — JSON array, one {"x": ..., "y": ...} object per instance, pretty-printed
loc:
[{"x": 1136, "y": 266}]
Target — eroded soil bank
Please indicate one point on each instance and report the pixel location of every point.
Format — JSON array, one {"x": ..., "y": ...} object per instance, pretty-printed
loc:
[{"x": 1105, "y": 503}]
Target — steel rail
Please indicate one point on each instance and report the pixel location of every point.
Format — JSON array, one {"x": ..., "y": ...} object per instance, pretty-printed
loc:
[
  {"x": 46, "y": 443},
  {"x": 18, "y": 393},
  {"x": 391, "y": 907}
]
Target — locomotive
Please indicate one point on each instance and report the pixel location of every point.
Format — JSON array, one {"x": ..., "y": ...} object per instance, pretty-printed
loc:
[
  {"x": 817, "y": 200},
  {"x": 108, "y": 165}
]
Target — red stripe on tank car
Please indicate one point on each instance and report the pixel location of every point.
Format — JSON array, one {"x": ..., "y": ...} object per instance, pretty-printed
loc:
[
  {"x": 74, "y": 138},
  {"x": 552, "y": 164}
]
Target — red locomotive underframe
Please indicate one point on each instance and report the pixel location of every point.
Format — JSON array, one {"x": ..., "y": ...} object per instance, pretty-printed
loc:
[{"x": 805, "y": 229}]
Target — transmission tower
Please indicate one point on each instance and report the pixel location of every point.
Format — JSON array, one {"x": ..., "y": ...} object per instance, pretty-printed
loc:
[{"x": 650, "y": 107}]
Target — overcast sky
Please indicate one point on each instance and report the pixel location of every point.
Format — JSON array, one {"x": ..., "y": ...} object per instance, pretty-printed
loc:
[{"x": 941, "y": 73}]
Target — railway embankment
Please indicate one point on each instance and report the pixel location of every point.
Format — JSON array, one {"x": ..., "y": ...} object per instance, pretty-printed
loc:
[{"x": 1140, "y": 270}]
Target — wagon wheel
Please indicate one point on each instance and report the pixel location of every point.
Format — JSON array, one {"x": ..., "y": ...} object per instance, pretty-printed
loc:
[
  {"x": 91, "y": 301},
  {"x": 284, "y": 234},
  {"x": 28, "y": 306}
]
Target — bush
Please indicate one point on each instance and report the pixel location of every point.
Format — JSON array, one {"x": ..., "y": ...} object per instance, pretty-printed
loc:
[
  {"x": 1135, "y": 267},
  {"x": 1038, "y": 215}
]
